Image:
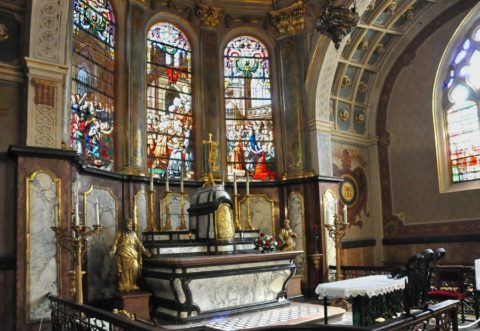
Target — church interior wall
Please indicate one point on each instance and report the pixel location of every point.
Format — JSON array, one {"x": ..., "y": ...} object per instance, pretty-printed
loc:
[{"x": 420, "y": 209}]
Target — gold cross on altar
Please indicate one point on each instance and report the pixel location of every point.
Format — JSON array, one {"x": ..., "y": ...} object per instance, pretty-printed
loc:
[{"x": 212, "y": 153}]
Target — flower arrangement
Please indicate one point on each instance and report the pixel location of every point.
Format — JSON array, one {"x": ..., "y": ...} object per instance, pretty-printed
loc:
[{"x": 265, "y": 243}]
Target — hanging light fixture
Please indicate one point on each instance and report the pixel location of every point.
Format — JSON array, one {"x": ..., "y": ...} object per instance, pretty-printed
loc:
[{"x": 337, "y": 21}]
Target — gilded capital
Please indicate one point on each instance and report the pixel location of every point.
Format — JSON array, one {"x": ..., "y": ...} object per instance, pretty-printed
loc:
[
  {"x": 209, "y": 16},
  {"x": 289, "y": 20}
]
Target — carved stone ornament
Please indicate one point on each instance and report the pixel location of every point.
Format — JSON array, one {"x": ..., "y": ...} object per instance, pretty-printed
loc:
[
  {"x": 289, "y": 20},
  {"x": 44, "y": 125},
  {"x": 209, "y": 16},
  {"x": 345, "y": 82},
  {"x": 4, "y": 35},
  {"x": 48, "y": 30},
  {"x": 344, "y": 115}
]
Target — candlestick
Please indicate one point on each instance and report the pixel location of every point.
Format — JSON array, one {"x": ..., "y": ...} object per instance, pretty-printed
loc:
[
  {"x": 167, "y": 185},
  {"x": 345, "y": 214},
  {"x": 151, "y": 178},
  {"x": 223, "y": 178},
  {"x": 234, "y": 183},
  {"x": 248, "y": 184},
  {"x": 75, "y": 240},
  {"x": 337, "y": 231},
  {"x": 97, "y": 212}
]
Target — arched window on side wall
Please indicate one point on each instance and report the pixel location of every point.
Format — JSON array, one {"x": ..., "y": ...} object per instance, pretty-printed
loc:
[
  {"x": 248, "y": 109},
  {"x": 93, "y": 78},
  {"x": 169, "y": 101},
  {"x": 460, "y": 99}
]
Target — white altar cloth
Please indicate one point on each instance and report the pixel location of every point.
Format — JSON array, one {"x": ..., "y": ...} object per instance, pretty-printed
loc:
[{"x": 369, "y": 286}]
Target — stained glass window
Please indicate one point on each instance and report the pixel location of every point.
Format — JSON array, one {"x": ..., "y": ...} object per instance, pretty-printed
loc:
[
  {"x": 461, "y": 90},
  {"x": 248, "y": 109},
  {"x": 93, "y": 75},
  {"x": 169, "y": 101}
]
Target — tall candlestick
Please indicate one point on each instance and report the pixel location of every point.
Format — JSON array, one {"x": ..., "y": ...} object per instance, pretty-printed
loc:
[
  {"x": 234, "y": 183},
  {"x": 151, "y": 178},
  {"x": 345, "y": 214},
  {"x": 223, "y": 178},
  {"x": 248, "y": 184},
  {"x": 97, "y": 212},
  {"x": 167, "y": 185}
]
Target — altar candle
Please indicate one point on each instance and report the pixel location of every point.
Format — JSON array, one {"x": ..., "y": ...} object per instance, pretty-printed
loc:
[
  {"x": 167, "y": 185},
  {"x": 181, "y": 179},
  {"x": 223, "y": 178},
  {"x": 77, "y": 218},
  {"x": 151, "y": 178},
  {"x": 345, "y": 214},
  {"x": 234, "y": 183},
  {"x": 248, "y": 184},
  {"x": 55, "y": 214},
  {"x": 97, "y": 212}
]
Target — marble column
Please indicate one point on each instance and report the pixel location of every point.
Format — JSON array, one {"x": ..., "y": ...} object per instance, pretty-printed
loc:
[
  {"x": 291, "y": 54},
  {"x": 135, "y": 151},
  {"x": 209, "y": 17}
]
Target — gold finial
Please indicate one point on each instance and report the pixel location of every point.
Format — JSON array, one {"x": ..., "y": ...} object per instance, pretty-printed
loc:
[{"x": 212, "y": 159}]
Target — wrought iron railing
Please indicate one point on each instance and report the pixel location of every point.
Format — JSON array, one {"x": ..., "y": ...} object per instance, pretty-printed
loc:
[
  {"x": 458, "y": 277},
  {"x": 70, "y": 316},
  {"x": 441, "y": 316}
]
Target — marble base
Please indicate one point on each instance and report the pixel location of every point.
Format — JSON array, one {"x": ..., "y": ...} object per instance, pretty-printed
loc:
[
  {"x": 135, "y": 303},
  {"x": 198, "y": 287}
]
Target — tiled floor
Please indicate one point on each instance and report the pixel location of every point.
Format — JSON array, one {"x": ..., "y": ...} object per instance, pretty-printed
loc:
[{"x": 295, "y": 313}]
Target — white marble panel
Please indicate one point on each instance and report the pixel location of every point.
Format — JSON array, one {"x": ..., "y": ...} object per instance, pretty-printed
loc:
[
  {"x": 245, "y": 247},
  {"x": 226, "y": 248},
  {"x": 141, "y": 215},
  {"x": 261, "y": 213},
  {"x": 42, "y": 254},
  {"x": 187, "y": 249},
  {"x": 238, "y": 290},
  {"x": 296, "y": 214},
  {"x": 175, "y": 210},
  {"x": 161, "y": 287},
  {"x": 101, "y": 269}
]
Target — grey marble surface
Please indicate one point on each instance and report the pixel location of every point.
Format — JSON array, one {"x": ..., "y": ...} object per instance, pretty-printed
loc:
[
  {"x": 238, "y": 290},
  {"x": 101, "y": 273},
  {"x": 42, "y": 266},
  {"x": 141, "y": 216},
  {"x": 261, "y": 212},
  {"x": 175, "y": 210},
  {"x": 296, "y": 214}
]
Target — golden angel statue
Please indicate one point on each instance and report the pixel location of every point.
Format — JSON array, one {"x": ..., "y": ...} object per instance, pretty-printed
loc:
[{"x": 128, "y": 250}]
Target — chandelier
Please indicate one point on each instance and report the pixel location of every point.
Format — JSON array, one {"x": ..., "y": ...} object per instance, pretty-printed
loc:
[{"x": 337, "y": 21}]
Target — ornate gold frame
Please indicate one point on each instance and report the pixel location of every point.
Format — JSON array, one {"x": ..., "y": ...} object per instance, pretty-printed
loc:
[
  {"x": 135, "y": 208},
  {"x": 272, "y": 206},
  {"x": 58, "y": 183}
]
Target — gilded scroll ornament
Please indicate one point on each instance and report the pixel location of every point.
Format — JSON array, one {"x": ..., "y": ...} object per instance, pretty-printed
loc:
[
  {"x": 289, "y": 20},
  {"x": 209, "y": 16},
  {"x": 4, "y": 35}
]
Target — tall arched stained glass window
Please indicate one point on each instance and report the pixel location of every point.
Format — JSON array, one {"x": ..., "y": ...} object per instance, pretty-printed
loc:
[
  {"x": 169, "y": 101},
  {"x": 461, "y": 97},
  {"x": 93, "y": 76},
  {"x": 248, "y": 109}
]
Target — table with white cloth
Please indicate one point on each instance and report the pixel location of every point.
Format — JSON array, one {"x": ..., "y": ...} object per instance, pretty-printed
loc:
[{"x": 372, "y": 296}]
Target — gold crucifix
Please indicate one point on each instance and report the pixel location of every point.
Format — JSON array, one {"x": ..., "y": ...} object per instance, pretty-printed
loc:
[{"x": 212, "y": 158}]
